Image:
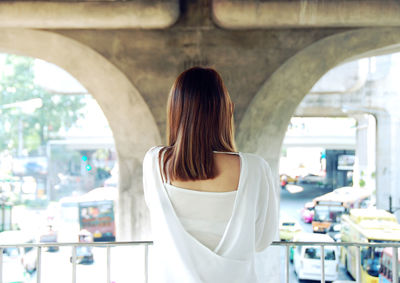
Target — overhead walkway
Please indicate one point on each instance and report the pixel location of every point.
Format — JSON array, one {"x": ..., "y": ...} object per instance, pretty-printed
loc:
[{"x": 286, "y": 245}]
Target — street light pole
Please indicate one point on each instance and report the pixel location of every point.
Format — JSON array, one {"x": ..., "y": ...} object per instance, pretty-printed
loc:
[{"x": 20, "y": 136}]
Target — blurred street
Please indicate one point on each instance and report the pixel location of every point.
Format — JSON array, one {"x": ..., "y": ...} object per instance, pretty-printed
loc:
[{"x": 291, "y": 205}]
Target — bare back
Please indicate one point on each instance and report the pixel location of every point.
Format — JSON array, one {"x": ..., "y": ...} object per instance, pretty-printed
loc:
[{"x": 227, "y": 176}]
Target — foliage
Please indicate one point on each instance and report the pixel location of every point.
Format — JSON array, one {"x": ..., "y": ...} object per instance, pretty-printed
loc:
[{"x": 16, "y": 85}]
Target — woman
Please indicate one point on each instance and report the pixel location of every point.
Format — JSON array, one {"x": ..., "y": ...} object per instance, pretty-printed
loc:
[{"x": 212, "y": 208}]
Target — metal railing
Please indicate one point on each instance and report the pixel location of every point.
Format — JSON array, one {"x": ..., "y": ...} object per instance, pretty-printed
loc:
[
  {"x": 287, "y": 245},
  {"x": 394, "y": 246},
  {"x": 107, "y": 245}
]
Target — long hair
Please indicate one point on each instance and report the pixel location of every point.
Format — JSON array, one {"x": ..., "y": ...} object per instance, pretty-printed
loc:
[{"x": 199, "y": 121}]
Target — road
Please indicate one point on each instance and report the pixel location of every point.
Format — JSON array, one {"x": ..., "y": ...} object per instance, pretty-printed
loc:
[{"x": 291, "y": 205}]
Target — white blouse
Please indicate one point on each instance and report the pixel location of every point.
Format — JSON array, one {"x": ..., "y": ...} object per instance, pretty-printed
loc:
[
  {"x": 252, "y": 226},
  {"x": 204, "y": 215}
]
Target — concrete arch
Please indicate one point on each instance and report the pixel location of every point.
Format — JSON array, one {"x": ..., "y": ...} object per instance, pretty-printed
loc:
[
  {"x": 264, "y": 124},
  {"x": 121, "y": 103}
]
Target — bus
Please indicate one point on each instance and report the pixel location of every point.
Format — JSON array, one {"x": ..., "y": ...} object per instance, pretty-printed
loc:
[
  {"x": 96, "y": 213},
  {"x": 93, "y": 211},
  {"x": 329, "y": 207},
  {"x": 385, "y": 270},
  {"x": 367, "y": 226}
]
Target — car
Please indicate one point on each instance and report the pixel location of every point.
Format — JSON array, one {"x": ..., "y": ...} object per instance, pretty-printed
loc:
[
  {"x": 288, "y": 227},
  {"x": 84, "y": 255},
  {"x": 49, "y": 235},
  {"x": 286, "y": 179},
  {"x": 307, "y": 259},
  {"x": 312, "y": 179},
  {"x": 307, "y": 212}
]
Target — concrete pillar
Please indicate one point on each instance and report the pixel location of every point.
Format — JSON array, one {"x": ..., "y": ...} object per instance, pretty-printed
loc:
[
  {"x": 388, "y": 162},
  {"x": 132, "y": 219},
  {"x": 383, "y": 160},
  {"x": 395, "y": 164},
  {"x": 364, "y": 168}
]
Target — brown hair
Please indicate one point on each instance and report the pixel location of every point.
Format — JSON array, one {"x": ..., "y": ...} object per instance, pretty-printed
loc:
[{"x": 200, "y": 121}]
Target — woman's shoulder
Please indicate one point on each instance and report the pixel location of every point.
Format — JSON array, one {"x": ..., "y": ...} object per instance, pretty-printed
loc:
[
  {"x": 153, "y": 150},
  {"x": 152, "y": 154},
  {"x": 256, "y": 162},
  {"x": 255, "y": 158}
]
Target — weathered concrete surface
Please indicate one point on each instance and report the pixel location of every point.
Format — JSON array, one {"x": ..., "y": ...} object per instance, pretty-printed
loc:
[
  {"x": 148, "y": 14},
  {"x": 132, "y": 123},
  {"x": 244, "y": 14},
  {"x": 153, "y": 59}
]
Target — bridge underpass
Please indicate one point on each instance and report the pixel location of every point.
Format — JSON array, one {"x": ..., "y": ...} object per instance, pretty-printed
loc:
[{"x": 129, "y": 59}]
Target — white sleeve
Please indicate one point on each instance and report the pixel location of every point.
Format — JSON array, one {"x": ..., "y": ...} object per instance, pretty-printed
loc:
[
  {"x": 148, "y": 173},
  {"x": 267, "y": 220}
]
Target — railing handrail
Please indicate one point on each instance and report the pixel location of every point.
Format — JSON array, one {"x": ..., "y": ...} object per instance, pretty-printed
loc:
[
  {"x": 131, "y": 243},
  {"x": 340, "y": 244},
  {"x": 77, "y": 244},
  {"x": 146, "y": 244}
]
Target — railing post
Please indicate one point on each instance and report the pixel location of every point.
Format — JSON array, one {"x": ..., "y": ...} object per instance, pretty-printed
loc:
[
  {"x": 73, "y": 259},
  {"x": 322, "y": 264},
  {"x": 39, "y": 265},
  {"x": 1, "y": 265},
  {"x": 395, "y": 266},
  {"x": 146, "y": 263},
  {"x": 358, "y": 265},
  {"x": 287, "y": 262},
  {"x": 108, "y": 265}
]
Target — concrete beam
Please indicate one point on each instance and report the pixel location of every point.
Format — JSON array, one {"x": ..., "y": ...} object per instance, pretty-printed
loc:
[
  {"x": 84, "y": 15},
  {"x": 242, "y": 14}
]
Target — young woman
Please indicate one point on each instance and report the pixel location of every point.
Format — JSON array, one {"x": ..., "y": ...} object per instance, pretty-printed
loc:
[{"x": 212, "y": 209}]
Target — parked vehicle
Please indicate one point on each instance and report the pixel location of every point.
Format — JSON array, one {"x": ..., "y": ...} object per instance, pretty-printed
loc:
[
  {"x": 288, "y": 228},
  {"x": 84, "y": 254},
  {"x": 307, "y": 259},
  {"x": 307, "y": 212},
  {"x": 49, "y": 235},
  {"x": 329, "y": 207},
  {"x": 311, "y": 179}
]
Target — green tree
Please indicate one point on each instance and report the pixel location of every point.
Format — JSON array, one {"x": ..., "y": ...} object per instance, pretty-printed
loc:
[{"x": 16, "y": 85}]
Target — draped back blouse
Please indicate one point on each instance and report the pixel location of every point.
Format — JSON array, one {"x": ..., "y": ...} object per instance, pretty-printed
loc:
[{"x": 253, "y": 225}]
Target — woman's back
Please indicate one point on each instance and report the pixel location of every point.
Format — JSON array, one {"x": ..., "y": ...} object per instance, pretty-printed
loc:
[
  {"x": 227, "y": 169},
  {"x": 251, "y": 227}
]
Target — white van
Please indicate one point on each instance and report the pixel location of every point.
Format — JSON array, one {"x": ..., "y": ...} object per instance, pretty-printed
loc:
[{"x": 307, "y": 259}]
